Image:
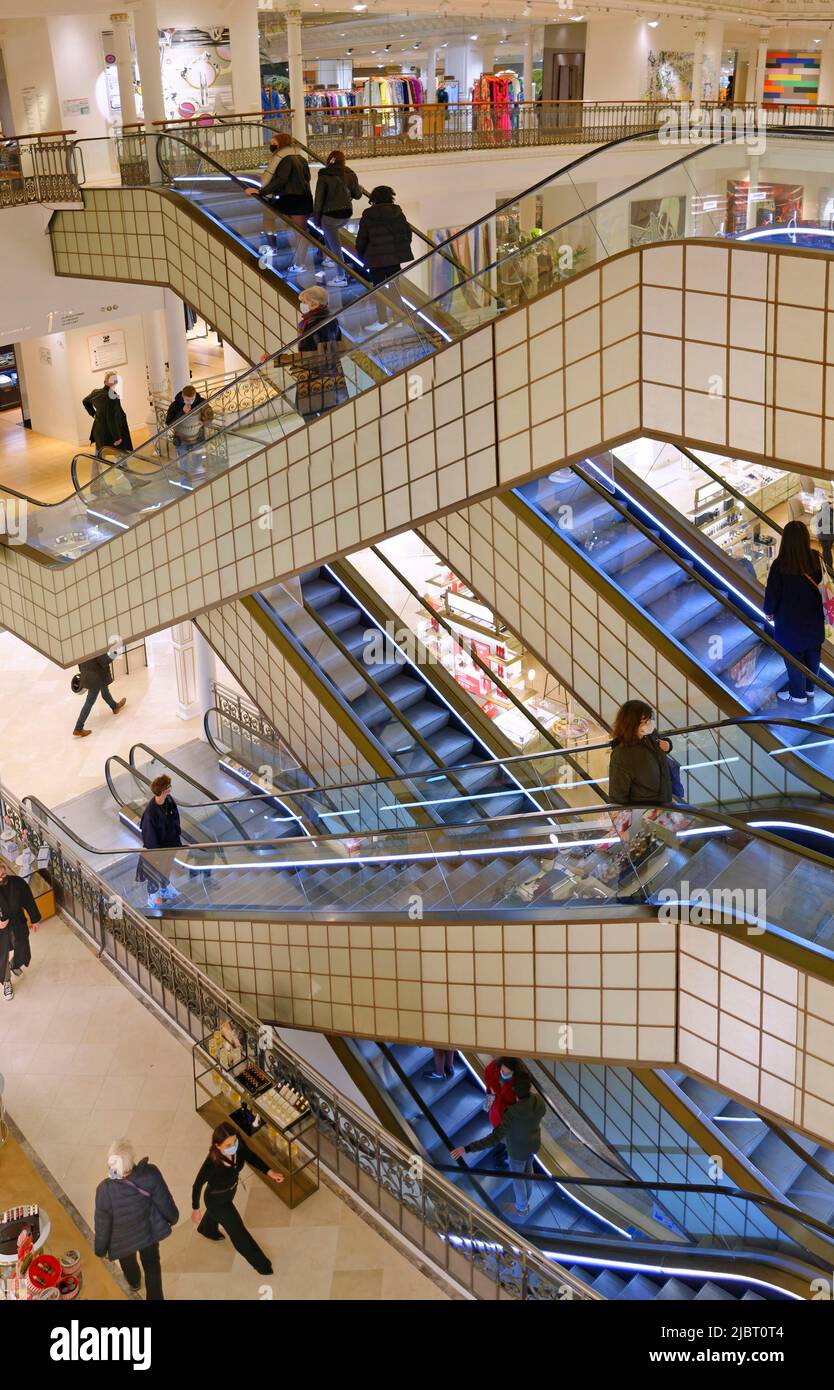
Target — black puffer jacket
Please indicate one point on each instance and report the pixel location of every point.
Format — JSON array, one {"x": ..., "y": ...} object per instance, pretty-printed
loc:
[
  {"x": 336, "y": 192},
  {"x": 123, "y": 1215},
  {"x": 384, "y": 236},
  {"x": 639, "y": 774}
]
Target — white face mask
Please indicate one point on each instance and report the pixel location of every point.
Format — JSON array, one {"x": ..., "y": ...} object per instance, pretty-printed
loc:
[{"x": 115, "y": 1166}]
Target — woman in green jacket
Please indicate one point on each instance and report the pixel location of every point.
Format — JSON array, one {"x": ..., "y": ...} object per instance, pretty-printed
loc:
[{"x": 638, "y": 771}]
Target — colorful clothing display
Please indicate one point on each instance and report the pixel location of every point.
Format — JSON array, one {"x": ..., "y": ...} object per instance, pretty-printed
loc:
[{"x": 494, "y": 101}]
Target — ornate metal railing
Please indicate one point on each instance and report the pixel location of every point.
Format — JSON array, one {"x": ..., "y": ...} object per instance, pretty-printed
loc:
[
  {"x": 231, "y": 395},
  {"x": 479, "y": 1253},
  {"x": 46, "y": 168}
]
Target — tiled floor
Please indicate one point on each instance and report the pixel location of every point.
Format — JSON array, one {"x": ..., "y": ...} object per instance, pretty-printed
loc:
[{"x": 86, "y": 1063}]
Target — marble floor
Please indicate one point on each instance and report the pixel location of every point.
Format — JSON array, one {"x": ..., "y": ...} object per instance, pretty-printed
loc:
[{"x": 85, "y": 1063}]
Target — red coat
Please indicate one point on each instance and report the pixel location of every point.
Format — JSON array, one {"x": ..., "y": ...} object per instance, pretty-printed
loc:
[{"x": 504, "y": 1092}]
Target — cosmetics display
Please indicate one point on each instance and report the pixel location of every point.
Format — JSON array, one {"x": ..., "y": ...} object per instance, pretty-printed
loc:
[
  {"x": 274, "y": 1116},
  {"x": 27, "y": 1269},
  {"x": 19, "y": 858}
]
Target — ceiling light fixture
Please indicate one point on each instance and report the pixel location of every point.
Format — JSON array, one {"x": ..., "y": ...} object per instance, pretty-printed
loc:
[
  {"x": 473, "y": 36},
  {"x": 653, "y": 23},
  {"x": 359, "y": 6},
  {"x": 576, "y": 18}
]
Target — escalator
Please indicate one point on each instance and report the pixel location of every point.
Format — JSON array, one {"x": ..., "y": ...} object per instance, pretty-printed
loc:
[
  {"x": 650, "y": 1255},
  {"x": 686, "y": 594},
  {"x": 125, "y": 495}
]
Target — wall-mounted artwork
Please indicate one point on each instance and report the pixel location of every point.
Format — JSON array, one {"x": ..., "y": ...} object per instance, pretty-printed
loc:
[
  {"x": 792, "y": 79},
  {"x": 196, "y": 71},
  {"x": 670, "y": 75},
  {"x": 656, "y": 219}
]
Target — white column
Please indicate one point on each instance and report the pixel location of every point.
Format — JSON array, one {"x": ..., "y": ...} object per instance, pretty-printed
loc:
[
  {"x": 487, "y": 57},
  {"x": 431, "y": 83},
  {"x": 697, "y": 90},
  {"x": 825, "y": 94},
  {"x": 296, "y": 67},
  {"x": 155, "y": 356},
  {"x": 761, "y": 68},
  {"x": 178, "y": 366},
  {"x": 246, "y": 56},
  {"x": 146, "y": 30},
  {"x": 124, "y": 66},
  {"x": 185, "y": 668},
  {"x": 527, "y": 74},
  {"x": 206, "y": 674},
  {"x": 713, "y": 48},
  {"x": 752, "y": 186}
]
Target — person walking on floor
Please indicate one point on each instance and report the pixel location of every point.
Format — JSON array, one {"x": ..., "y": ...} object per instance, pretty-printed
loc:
[
  {"x": 219, "y": 1176},
  {"x": 17, "y": 904},
  {"x": 160, "y": 829},
  {"x": 520, "y": 1130},
  {"x": 337, "y": 188},
  {"x": 134, "y": 1212},
  {"x": 793, "y": 603},
  {"x": 110, "y": 429},
  {"x": 288, "y": 191},
  {"x": 383, "y": 241},
  {"x": 95, "y": 676}
]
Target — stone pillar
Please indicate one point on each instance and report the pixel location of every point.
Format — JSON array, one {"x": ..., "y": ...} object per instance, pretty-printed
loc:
[
  {"x": 431, "y": 82},
  {"x": 246, "y": 56},
  {"x": 156, "y": 357},
  {"x": 825, "y": 95},
  {"x": 124, "y": 66},
  {"x": 206, "y": 674},
  {"x": 711, "y": 71},
  {"x": 296, "y": 67},
  {"x": 761, "y": 68},
  {"x": 697, "y": 89},
  {"x": 752, "y": 185},
  {"x": 178, "y": 365},
  {"x": 185, "y": 668},
  {"x": 527, "y": 75},
  {"x": 146, "y": 30}
]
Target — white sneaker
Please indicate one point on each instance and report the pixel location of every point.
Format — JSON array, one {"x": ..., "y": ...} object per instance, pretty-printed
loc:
[{"x": 8, "y": 991}]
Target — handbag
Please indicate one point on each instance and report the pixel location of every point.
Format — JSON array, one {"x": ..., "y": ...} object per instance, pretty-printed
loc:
[
  {"x": 75, "y": 684},
  {"x": 827, "y": 594},
  {"x": 161, "y": 1228},
  {"x": 677, "y": 780}
]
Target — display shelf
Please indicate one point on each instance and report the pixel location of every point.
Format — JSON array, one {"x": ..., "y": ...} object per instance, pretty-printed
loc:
[
  {"x": 42, "y": 890},
  {"x": 276, "y": 1123}
]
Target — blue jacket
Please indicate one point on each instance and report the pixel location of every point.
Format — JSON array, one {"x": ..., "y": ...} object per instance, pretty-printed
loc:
[{"x": 795, "y": 603}]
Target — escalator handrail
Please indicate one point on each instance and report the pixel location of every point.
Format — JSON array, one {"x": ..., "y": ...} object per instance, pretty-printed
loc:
[
  {"x": 684, "y": 564},
  {"x": 730, "y": 722},
  {"x": 490, "y": 826},
  {"x": 187, "y": 805}
]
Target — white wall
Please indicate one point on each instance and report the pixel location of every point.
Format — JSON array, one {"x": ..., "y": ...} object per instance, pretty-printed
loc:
[
  {"x": 78, "y": 58},
  {"x": 57, "y": 386},
  {"x": 27, "y": 57}
]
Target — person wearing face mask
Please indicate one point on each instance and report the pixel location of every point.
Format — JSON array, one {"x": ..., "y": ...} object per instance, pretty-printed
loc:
[
  {"x": 219, "y": 1176},
  {"x": 110, "y": 429},
  {"x": 134, "y": 1212},
  {"x": 499, "y": 1079},
  {"x": 16, "y": 905},
  {"x": 640, "y": 772},
  {"x": 287, "y": 189}
]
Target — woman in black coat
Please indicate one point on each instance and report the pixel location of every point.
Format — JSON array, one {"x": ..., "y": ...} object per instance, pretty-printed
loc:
[
  {"x": 16, "y": 904},
  {"x": 110, "y": 429},
  {"x": 793, "y": 603},
  {"x": 219, "y": 1176},
  {"x": 288, "y": 191},
  {"x": 639, "y": 773},
  {"x": 134, "y": 1212}
]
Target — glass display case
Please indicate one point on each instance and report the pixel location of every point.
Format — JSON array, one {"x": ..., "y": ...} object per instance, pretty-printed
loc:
[
  {"x": 273, "y": 1117},
  {"x": 9, "y": 380}
]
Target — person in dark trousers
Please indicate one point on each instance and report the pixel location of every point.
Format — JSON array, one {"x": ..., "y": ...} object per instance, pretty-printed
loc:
[
  {"x": 110, "y": 429},
  {"x": 16, "y": 905},
  {"x": 499, "y": 1079},
  {"x": 316, "y": 367},
  {"x": 383, "y": 241},
  {"x": 219, "y": 1176},
  {"x": 443, "y": 1064},
  {"x": 183, "y": 416},
  {"x": 639, "y": 773},
  {"x": 288, "y": 192},
  {"x": 134, "y": 1212},
  {"x": 96, "y": 676},
  {"x": 793, "y": 603},
  {"x": 520, "y": 1130},
  {"x": 337, "y": 188},
  {"x": 160, "y": 829}
]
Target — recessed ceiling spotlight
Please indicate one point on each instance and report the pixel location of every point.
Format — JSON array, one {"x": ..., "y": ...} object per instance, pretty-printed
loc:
[
  {"x": 359, "y": 6},
  {"x": 653, "y": 23},
  {"x": 576, "y": 18},
  {"x": 525, "y": 12},
  {"x": 473, "y": 36}
]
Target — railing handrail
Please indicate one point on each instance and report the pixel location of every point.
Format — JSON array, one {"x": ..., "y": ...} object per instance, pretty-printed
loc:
[{"x": 41, "y": 135}]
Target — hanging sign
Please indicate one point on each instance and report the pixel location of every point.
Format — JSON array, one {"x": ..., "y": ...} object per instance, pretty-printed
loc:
[{"x": 107, "y": 350}]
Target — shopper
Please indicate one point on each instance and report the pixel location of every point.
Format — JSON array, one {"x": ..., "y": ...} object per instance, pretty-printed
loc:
[
  {"x": 219, "y": 1176},
  {"x": 793, "y": 603},
  {"x": 499, "y": 1079},
  {"x": 95, "y": 676},
  {"x": 134, "y": 1212},
  {"x": 639, "y": 770},
  {"x": 443, "y": 1064},
  {"x": 317, "y": 367},
  {"x": 824, "y": 531},
  {"x": 184, "y": 416},
  {"x": 160, "y": 829},
  {"x": 110, "y": 429},
  {"x": 383, "y": 243},
  {"x": 520, "y": 1130},
  {"x": 337, "y": 188},
  {"x": 288, "y": 192},
  {"x": 16, "y": 906}
]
